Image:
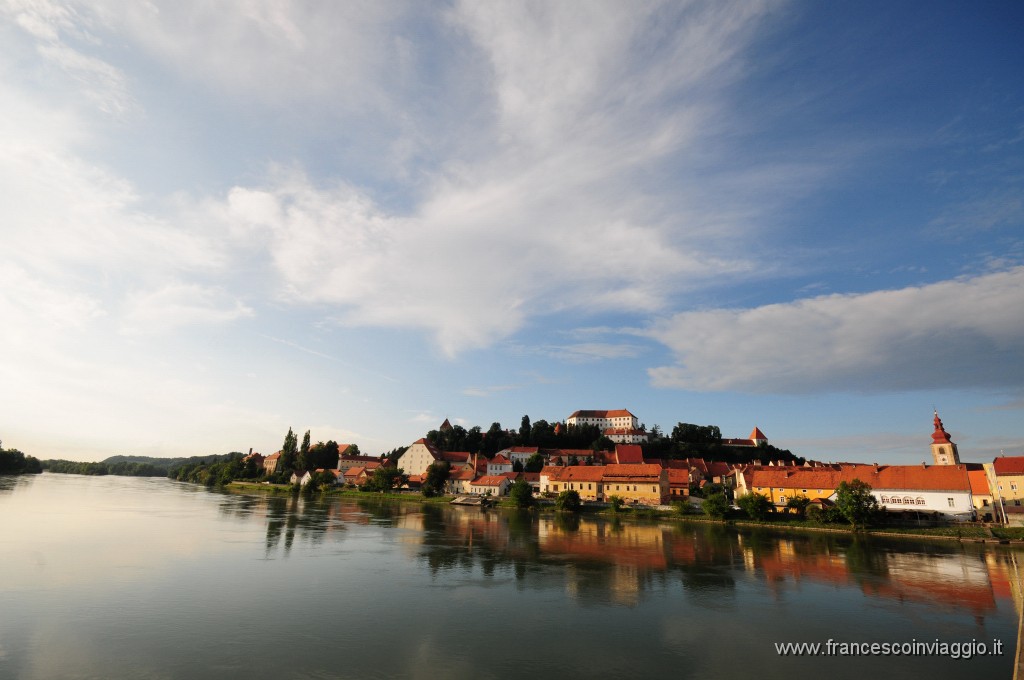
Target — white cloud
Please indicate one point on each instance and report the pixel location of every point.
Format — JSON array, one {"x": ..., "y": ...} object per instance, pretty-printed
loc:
[
  {"x": 179, "y": 304},
  {"x": 961, "y": 333}
]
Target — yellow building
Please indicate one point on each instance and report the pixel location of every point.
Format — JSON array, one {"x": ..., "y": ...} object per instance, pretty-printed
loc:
[
  {"x": 780, "y": 485},
  {"x": 586, "y": 480},
  {"x": 636, "y": 483}
]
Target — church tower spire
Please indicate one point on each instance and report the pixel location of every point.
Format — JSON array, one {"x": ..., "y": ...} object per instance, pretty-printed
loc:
[{"x": 943, "y": 449}]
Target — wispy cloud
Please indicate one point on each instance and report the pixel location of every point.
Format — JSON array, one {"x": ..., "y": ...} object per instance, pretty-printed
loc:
[{"x": 957, "y": 334}]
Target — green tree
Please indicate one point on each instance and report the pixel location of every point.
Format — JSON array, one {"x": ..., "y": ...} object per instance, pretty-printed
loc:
[
  {"x": 716, "y": 505},
  {"x": 616, "y": 503},
  {"x": 569, "y": 501},
  {"x": 534, "y": 463},
  {"x": 524, "y": 431},
  {"x": 756, "y": 505},
  {"x": 855, "y": 503},
  {"x": 521, "y": 493},
  {"x": 289, "y": 452},
  {"x": 437, "y": 475},
  {"x": 799, "y": 504},
  {"x": 303, "y": 458},
  {"x": 384, "y": 478}
]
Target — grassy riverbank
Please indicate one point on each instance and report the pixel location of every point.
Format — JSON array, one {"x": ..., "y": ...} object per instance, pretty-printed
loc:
[{"x": 967, "y": 533}]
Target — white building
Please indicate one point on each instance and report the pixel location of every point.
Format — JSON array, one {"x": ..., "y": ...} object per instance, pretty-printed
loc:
[
  {"x": 418, "y": 457},
  {"x": 620, "y": 419}
]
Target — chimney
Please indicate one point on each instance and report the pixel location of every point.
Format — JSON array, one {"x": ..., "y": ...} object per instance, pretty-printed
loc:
[{"x": 250, "y": 450}]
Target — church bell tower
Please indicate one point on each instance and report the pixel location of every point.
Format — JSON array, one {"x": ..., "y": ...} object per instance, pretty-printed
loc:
[{"x": 943, "y": 450}]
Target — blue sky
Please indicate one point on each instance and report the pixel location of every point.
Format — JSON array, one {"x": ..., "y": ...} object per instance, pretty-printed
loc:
[{"x": 222, "y": 220}]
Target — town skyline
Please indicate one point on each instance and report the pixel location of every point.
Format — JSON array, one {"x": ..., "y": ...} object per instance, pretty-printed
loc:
[{"x": 223, "y": 221}]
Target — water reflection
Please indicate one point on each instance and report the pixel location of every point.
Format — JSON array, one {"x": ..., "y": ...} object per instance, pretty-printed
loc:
[
  {"x": 160, "y": 567},
  {"x": 9, "y": 483},
  {"x": 622, "y": 559}
]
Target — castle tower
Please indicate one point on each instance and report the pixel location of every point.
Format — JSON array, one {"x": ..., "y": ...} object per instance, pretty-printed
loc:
[{"x": 943, "y": 450}]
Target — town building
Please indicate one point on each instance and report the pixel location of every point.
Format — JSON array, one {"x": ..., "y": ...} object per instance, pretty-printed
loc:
[
  {"x": 625, "y": 435},
  {"x": 943, "y": 450},
  {"x": 620, "y": 418},
  {"x": 270, "y": 463},
  {"x": 420, "y": 455},
  {"x": 499, "y": 465},
  {"x": 490, "y": 485},
  {"x": 756, "y": 438}
]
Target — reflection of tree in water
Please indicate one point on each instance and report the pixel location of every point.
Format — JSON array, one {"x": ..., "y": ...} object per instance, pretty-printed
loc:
[
  {"x": 865, "y": 560},
  {"x": 9, "y": 483},
  {"x": 291, "y": 516},
  {"x": 382, "y": 512}
]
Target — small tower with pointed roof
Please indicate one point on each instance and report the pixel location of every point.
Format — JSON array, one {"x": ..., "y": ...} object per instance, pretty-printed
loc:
[{"x": 943, "y": 450}]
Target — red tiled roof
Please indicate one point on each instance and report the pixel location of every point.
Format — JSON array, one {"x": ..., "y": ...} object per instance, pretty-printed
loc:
[
  {"x": 531, "y": 476},
  {"x": 456, "y": 456},
  {"x": 678, "y": 477},
  {"x": 579, "y": 473},
  {"x": 500, "y": 460},
  {"x": 628, "y": 453},
  {"x": 1009, "y": 465},
  {"x": 617, "y": 413},
  {"x": 622, "y": 430},
  {"x": 630, "y": 472},
  {"x": 273, "y": 456},
  {"x": 757, "y": 434},
  {"x": 717, "y": 468},
  {"x": 979, "y": 483},
  {"x": 490, "y": 480},
  {"x": 434, "y": 451},
  {"x": 361, "y": 459},
  {"x": 524, "y": 449},
  {"x": 464, "y": 474},
  {"x": 917, "y": 477}
]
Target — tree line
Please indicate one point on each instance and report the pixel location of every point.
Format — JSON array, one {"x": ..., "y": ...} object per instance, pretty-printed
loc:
[{"x": 14, "y": 462}]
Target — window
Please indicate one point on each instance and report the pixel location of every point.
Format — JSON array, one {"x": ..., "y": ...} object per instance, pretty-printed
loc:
[
  {"x": 1013, "y": 486},
  {"x": 984, "y": 502},
  {"x": 950, "y": 500},
  {"x": 782, "y": 499}
]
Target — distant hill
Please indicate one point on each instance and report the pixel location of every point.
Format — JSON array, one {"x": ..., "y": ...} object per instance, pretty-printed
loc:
[{"x": 169, "y": 463}]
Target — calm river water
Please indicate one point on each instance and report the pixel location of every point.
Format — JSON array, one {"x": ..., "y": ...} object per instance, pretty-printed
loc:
[{"x": 112, "y": 577}]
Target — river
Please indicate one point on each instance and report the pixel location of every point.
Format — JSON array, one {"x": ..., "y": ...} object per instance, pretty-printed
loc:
[{"x": 113, "y": 577}]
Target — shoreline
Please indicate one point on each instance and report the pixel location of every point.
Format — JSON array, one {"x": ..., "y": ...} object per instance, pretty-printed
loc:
[{"x": 655, "y": 515}]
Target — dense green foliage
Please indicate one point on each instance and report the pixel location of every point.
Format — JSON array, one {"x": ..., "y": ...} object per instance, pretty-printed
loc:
[
  {"x": 616, "y": 503},
  {"x": 716, "y": 505},
  {"x": 384, "y": 478},
  {"x": 568, "y": 501},
  {"x": 855, "y": 503},
  {"x": 123, "y": 468},
  {"x": 756, "y": 505},
  {"x": 289, "y": 453},
  {"x": 799, "y": 504},
  {"x": 521, "y": 493},
  {"x": 437, "y": 475},
  {"x": 14, "y": 462},
  {"x": 216, "y": 473}
]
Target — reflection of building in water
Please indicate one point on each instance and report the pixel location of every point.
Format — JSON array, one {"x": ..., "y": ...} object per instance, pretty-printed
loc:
[{"x": 960, "y": 580}]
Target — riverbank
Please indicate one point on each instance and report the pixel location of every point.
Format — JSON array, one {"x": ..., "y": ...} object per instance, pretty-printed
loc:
[{"x": 1013, "y": 536}]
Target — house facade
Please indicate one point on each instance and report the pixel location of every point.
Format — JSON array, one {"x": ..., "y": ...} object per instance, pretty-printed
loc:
[
  {"x": 418, "y": 457},
  {"x": 490, "y": 485},
  {"x": 620, "y": 418}
]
